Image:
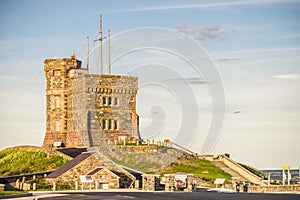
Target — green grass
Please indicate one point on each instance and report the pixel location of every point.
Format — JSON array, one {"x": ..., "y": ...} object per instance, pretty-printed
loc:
[
  {"x": 253, "y": 170},
  {"x": 25, "y": 160},
  {"x": 144, "y": 166},
  {"x": 12, "y": 192},
  {"x": 202, "y": 168}
]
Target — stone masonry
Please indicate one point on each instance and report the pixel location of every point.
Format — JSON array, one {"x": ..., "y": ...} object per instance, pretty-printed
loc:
[
  {"x": 151, "y": 182},
  {"x": 84, "y": 110},
  {"x": 85, "y": 167}
]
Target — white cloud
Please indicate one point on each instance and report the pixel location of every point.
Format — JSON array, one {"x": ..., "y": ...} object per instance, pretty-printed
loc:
[
  {"x": 288, "y": 76},
  {"x": 208, "y": 32},
  {"x": 292, "y": 36}
]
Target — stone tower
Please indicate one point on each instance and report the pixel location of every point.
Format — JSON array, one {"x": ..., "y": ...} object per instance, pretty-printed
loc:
[{"x": 83, "y": 110}]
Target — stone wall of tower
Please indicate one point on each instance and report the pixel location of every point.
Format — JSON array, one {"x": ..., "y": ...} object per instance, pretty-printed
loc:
[
  {"x": 57, "y": 75},
  {"x": 119, "y": 108},
  {"x": 88, "y": 109}
]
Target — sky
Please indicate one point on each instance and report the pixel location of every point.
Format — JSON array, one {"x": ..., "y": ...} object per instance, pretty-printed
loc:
[{"x": 253, "y": 49}]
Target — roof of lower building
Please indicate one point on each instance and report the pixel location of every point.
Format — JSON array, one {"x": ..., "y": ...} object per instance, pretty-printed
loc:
[{"x": 78, "y": 159}]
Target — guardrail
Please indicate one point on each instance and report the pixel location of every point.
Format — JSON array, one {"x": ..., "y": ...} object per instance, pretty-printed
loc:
[
  {"x": 185, "y": 149},
  {"x": 23, "y": 177}
]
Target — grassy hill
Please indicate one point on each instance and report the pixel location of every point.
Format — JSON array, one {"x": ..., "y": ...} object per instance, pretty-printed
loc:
[
  {"x": 28, "y": 159},
  {"x": 162, "y": 160},
  {"x": 253, "y": 170},
  {"x": 199, "y": 167}
]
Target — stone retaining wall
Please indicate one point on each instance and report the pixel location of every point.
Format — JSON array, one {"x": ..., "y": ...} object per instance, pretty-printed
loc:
[{"x": 274, "y": 188}]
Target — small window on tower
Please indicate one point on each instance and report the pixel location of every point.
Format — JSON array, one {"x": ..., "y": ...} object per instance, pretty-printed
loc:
[
  {"x": 116, "y": 101},
  {"x": 116, "y": 125},
  {"x": 57, "y": 126},
  {"x": 56, "y": 73},
  {"x": 104, "y": 100},
  {"x": 104, "y": 124},
  {"x": 109, "y": 124},
  {"x": 57, "y": 102},
  {"x": 109, "y": 101}
]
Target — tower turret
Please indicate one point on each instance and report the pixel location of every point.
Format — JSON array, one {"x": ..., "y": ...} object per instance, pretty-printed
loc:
[{"x": 57, "y": 73}]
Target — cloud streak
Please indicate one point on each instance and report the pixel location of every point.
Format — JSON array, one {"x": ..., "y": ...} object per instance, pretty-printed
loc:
[
  {"x": 190, "y": 80},
  {"x": 287, "y": 76},
  {"x": 292, "y": 36},
  {"x": 207, "y": 5},
  {"x": 262, "y": 50}
]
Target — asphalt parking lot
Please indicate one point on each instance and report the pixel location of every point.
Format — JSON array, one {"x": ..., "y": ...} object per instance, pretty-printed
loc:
[{"x": 174, "y": 195}]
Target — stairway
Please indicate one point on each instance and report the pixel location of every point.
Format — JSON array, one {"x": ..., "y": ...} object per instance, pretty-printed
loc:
[{"x": 226, "y": 169}]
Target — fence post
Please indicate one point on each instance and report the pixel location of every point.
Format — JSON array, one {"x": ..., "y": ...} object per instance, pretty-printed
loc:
[
  {"x": 76, "y": 185},
  {"x": 54, "y": 186}
]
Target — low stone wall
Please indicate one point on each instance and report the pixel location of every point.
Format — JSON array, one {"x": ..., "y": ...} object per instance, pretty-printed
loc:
[
  {"x": 151, "y": 182},
  {"x": 2, "y": 187},
  {"x": 274, "y": 188},
  {"x": 139, "y": 148}
]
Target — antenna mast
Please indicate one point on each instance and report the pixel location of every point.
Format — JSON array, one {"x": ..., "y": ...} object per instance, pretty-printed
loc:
[
  {"x": 108, "y": 53},
  {"x": 100, "y": 49},
  {"x": 101, "y": 38},
  {"x": 87, "y": 53}
]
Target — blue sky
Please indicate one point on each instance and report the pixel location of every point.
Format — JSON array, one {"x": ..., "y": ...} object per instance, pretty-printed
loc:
[{"x": 255, "y": 46}]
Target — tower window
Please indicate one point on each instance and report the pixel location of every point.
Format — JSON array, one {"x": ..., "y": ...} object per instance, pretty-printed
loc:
[
  {"x": 109, "y": 101},
  {"x": 109, "y": 124},
  {"x": 57, "y": 102},
  {"x": 104, "y": 124},
  {"x": 116, "y": 102},
  {"x": 56, "y": 73},
  {"x": 116, "y": 125},
  {"x": 57, "y": 126},
  {"x": 104, "y": 100}
]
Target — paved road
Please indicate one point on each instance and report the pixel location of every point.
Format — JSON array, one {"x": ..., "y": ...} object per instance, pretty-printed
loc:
[{"x": 173, "y": 195}]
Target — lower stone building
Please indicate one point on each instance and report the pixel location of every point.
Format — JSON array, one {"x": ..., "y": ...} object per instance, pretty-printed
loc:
[{"x": 91, "y": 170}]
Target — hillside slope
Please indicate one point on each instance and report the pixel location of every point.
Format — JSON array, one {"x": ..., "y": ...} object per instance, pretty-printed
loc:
[
  {"x": 28, "y": 159},
  {"x": 199, "y": 167},
  {"x": 163, "y": 160}
]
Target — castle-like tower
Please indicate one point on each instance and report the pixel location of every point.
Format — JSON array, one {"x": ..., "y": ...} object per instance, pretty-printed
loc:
[{"x": 84, "y": 110}]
